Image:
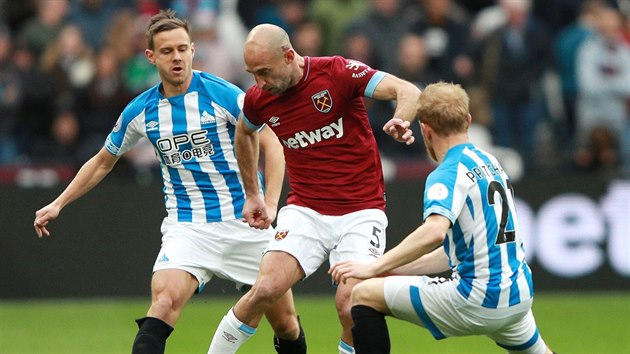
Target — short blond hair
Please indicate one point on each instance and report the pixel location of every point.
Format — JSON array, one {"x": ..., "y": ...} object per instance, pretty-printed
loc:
[{"x": 445, "y": 108}]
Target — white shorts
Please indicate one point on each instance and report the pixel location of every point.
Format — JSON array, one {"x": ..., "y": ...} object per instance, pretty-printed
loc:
[
  {"x": 435, "y": 304},
  {"x": 312, "y": 238},
  {"x": 229, "y": 249}
]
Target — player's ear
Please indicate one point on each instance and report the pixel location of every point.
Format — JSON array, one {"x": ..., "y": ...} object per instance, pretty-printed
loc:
[
  {"x": 426, "y": 131},
  {"x": 150, "y": 56},
  {"x": 289, "y": 56}
]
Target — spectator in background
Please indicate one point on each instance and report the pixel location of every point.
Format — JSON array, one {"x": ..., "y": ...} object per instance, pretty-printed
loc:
[
  {"x": 557, "y": 14},
  {"x": 286, "y": 14},
  {"x": 148, "y": 8},
  {"x": 104, "y": 97},
  {"x": 64, "y": 143},
  {"x": 413, "y": 61},
  {"x": 307, "y": 38},
  {"x": 511, "y": 62},
  {"x": 69, "y": 61},
  {"x": 357, "y": 45},
  {"x": 35, "y": 102},
  {"x": 212, "y": 54},
  {"x": 446, "y": 40},
  {"x": 43, "y": 29},
  {"x": 603, "y": 66},
  {"x": 138, "y": 73},
  {"x": 122, "y": 35},
  {"x": 9, "y": 99},
  {"x": 474, "y": 6},
  {"x": 93, "y": 18},
  {"x": 248, "y": 10},
  {"x": 383, "y": 25},
  {"x": 217, "y": 27},
  {"x": 486, "y": 21},
  {"x": 412, "y": 66},
  {"x": 566, "y": 45},
  {"x": 333, "y": 17},
  {"x": 626, "y": 28}
]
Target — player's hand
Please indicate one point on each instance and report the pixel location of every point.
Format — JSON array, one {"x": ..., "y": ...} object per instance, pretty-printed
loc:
[
  {"x": 272, "y": 212},
  {"x": 342, "y": 271},
  {"x": 255, "y": 213},
  {"x": 399, "y": 130},
  {"x": 42, "y": 217}
]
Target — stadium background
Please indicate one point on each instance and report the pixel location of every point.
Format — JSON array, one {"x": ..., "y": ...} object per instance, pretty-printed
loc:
[{"x": 576, "y": 219}]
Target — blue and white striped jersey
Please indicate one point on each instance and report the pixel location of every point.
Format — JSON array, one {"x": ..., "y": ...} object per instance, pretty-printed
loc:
[
  {"x": 472, "y": 190},
  {"x": 192, "y": 135}
]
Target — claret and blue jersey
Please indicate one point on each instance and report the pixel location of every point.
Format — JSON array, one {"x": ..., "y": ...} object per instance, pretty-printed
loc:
[
  {"x": 486, "y": 253},
  {"x": 192, "y": 135}
]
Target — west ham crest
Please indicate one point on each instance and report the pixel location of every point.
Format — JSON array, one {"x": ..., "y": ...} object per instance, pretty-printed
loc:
[
  {"x": 322, "y": 101},
  {"x": 280, "y": 235}
]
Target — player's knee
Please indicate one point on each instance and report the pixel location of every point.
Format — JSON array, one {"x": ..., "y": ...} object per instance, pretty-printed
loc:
[
  {"x": 265, "y": 293},
  {"x": 360, "y": 294},
  {"x": 162, "y": 304}
]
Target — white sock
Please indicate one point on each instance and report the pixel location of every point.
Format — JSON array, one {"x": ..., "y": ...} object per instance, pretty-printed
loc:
[
  {"x": 230, "y": 335},
  {"x": 345, "y": 348}
]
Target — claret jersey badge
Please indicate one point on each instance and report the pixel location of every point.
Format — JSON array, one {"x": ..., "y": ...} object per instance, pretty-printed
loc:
[
  {"x": 280, "y": 235},
  {"x": 322, "y": 101}
]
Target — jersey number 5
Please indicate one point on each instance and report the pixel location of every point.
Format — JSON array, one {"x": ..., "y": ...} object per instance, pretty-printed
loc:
[{"x": 503, "y": 235}]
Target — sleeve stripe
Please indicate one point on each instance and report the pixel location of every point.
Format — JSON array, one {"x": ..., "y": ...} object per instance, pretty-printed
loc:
[
  {"x": 374, "y": 81},
  {"x": 249, "y": 124}
]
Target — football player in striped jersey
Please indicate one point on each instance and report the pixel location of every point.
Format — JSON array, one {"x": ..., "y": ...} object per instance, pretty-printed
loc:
[
  {"x": 190, "y": 119},
  {"x": 471, "y": 228}
]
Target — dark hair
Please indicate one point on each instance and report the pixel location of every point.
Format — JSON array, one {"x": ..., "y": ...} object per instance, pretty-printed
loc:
[{"x": 165, "y": 20}]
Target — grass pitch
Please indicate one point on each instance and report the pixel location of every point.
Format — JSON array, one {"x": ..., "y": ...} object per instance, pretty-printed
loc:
[{"x": 570, "y": 323}]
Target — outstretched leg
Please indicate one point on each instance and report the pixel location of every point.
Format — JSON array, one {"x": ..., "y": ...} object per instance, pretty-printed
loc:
[
  {"x": 170, "y": 290},
  {"x": 289, "y": 335},
  {"x": 278, "y": 272}
]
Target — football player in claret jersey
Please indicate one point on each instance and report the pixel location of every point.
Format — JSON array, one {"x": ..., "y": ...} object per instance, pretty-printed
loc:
[
  {"x": 335, "y": 206},
  {"x": 190, "y": 118},
  {"x": 470, "y": 226}
]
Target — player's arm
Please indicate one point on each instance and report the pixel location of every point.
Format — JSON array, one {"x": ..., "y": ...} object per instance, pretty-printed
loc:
[
  {"x": 421, "y": 241},
  {"x": 406, "y": 96},
  {"x": 90, "y": 174},
  {"x": 274, "y": 169},
  {"x": 246, "y": 144},
  {"x": 431, "y": 263}
]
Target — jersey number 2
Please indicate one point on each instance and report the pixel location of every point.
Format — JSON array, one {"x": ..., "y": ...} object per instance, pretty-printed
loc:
[{"x": 503, "y": 235}]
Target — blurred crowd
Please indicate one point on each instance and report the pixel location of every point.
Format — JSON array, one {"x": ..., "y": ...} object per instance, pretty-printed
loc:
[{"x": 549, "y": 79}]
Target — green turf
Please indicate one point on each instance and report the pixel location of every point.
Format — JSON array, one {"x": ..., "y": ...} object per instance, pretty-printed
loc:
[{"x": 570, "y": 323}]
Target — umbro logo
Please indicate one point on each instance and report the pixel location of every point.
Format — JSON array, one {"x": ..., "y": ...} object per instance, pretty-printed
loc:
[
  {"x": 152, "y": 125},
  {"x": 206, "y": 118},
  {"x": 229, "y": 337},
  {"x": 274, "y": 121}
]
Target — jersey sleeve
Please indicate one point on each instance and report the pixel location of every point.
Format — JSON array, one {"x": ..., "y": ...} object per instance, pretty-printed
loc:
[
  {"x": 126, "y": 132},
  {"x": 444, "y": 193},
  {"x": 355, "y": 78},
  {"x": 227, "y": 96},
  {"x": 249, "y": 114}
]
